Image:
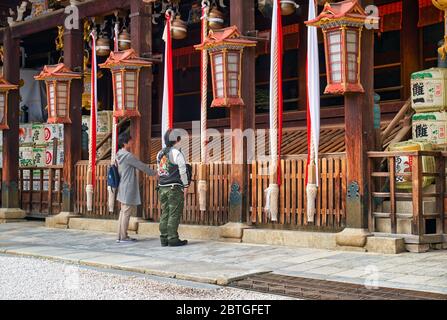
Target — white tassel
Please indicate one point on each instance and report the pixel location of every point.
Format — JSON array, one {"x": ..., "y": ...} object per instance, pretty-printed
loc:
[
  {"x": 202, "y": 188},
  {"x": 111, "y": 199},
  {"x": 89, "y": 190},
  {"x": 271, "y": 202},
  {"x": 311, "y": 191}
]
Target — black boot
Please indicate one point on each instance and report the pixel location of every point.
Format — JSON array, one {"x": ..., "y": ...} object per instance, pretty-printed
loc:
[
  {"x": 164, "y": 242},
  {"x": 177, "y": 243}
]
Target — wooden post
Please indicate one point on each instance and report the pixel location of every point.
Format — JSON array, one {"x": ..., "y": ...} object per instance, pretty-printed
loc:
[
  {"x": 440, "y": 190},
  {"x": 417, "y": 226},
  {"x": 359, "y": 136},
  {"x": 141, "y": 41},
  {"x": 10, "y": 172},
  {"x": 242, "y": 14},
  {"x": 73, "y": 59},
  {"x": 410, "y": 51}
]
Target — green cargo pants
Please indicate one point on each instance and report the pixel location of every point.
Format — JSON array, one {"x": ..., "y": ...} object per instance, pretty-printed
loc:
[{"x": 172, "y": 201}]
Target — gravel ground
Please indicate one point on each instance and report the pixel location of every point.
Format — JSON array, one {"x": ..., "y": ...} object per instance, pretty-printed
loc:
[{"x": 34, "y": 279}]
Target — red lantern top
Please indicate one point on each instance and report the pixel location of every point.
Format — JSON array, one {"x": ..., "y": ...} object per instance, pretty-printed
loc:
[
  {"x": 57, "y": 72},
  {"x": 348, "y": 12},
  {"x": 6, "y": 86},
  {"x": 122, "y": 59},
  {"x": 227, "y": 37}
]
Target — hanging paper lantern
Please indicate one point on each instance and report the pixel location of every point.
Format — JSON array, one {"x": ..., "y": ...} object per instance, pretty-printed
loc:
[
  {"x": 58, "y": 82},
  {"x": 179, "y": 29},
  {"x": 226, "y": 49},
  {"x": 342, "y": 24},
  {"x": 5, "y": 87},
  {"x": 125, "y": 67}
]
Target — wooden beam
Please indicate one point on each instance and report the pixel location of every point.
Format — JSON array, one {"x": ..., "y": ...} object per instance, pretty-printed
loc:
[
  {"x": 51, "y": 20},
  {"x": 410, "y": 51},
  {"x": 141, "y": 38},
  {"x": 73, "y": 59},
  {"x": 11, "y": 72},
  {"x": 360, "y": 134},
  {"x": 242, "y": 14}
]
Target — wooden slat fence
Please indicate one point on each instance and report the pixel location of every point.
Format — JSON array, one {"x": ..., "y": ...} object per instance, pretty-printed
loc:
[
  {"x": 40, "y": 190},
  {"x": 331, "y": 200},
  {"x": 331, "y": 195},
  {"x": 100, "y": 204},
  {"x": 218, "y": 186}
]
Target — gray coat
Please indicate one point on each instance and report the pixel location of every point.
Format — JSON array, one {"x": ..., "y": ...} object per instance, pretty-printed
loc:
[{"x": 128, "y": 190}]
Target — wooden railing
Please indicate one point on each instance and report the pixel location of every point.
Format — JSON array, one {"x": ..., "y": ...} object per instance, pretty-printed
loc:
[
  {"x": 217, "y": 213},
  {"x": 40, "y": 190},
  {"x": 217, "y": 198},
  {"x": 330, "y": 213},
  {"x": 407, "y": 211},
  {"x": 100, "y": 204},
  {"x": 330, "y": 207}
]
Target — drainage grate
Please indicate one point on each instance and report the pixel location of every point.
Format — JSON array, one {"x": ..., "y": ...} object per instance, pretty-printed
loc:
[{"x": 313, "y": 289}]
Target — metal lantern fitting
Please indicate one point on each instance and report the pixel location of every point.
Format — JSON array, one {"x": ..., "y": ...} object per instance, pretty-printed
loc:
[
  {"x": 342, "y": 24},
  {"x": 226, "y": 49},
  {"x": 125, "y": 67},
  {"x": 124, "y": 40},
  {"x": 5, "y": 87},
  {"x": 288, "y": 7},
  {"x": 103, "y": 46},
  {"x": 58, "y": 81},
  {"x": 215, "y": 19},
  {"x": 179, "y": 29}
]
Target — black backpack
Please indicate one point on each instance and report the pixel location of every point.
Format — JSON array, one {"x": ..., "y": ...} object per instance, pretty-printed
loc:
[{"x": 168, "y": 171}]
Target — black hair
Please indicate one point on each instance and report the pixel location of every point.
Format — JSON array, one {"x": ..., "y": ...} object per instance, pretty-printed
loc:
[
  {"x": 171, "y": 137},
  {"x": 123, "y": 139}
]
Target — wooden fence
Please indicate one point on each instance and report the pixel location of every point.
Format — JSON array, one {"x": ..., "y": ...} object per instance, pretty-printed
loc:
[
  {"x": 330, "y": 210},
  {"x": 217, "y": 213},
  {"x": 40, "y": 190},
  {"x": 330, "y": 207},
  {"x": 217, "y": 198},
  {"x": 100, "y": 204}
]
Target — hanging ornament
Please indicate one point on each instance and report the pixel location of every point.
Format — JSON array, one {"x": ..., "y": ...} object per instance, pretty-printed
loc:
[
  {"x": 216, "y": 19},
  {"x": 102, "y": 46},
  {"x": 288, "y": 7},
  {"x": 179, "y": 28},
  {"x": 124, "y": 40}
]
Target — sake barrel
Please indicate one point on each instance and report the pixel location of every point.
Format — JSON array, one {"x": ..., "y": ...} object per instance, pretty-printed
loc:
[
  {"x": 430, "y": 127},
  {"x": 404, "y": 163},
  {"x": 428, "y": 90}
]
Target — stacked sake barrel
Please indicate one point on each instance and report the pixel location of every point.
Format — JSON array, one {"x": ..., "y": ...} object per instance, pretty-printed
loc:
[{"x": 429, "y": 101}]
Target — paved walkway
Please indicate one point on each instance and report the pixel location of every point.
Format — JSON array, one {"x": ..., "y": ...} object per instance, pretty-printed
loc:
[{"x": 218, "y": 263}]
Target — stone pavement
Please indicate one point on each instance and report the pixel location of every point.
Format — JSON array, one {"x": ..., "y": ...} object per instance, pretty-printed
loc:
[{"x": 219, "y": 263}]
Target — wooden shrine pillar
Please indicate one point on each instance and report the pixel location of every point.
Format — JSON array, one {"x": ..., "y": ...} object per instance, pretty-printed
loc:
[
  {"x": 141, "y": 38},
  {"x": 242, "y": 14},
  {"x": 10, "y": 172},
  {"x": 410, "y": 46},
  {"x": 73, "y": 59},
  {"x": 360, "y": 138}
]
